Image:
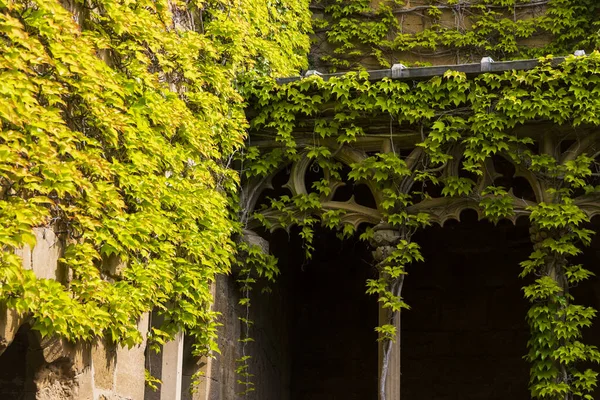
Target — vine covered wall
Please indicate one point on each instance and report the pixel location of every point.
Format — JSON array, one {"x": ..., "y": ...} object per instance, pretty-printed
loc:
[
  {"x": 428, "y": 149},
  {"x": 118, "y": 120},
  {"x": 124, "y": 131},
  {"x": 376, "y": 34}
]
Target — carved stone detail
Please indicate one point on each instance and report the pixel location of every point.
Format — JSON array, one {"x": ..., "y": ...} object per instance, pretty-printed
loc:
[
  {"x": 440, "y": 209},
  {"x": 254, "y": 239}
]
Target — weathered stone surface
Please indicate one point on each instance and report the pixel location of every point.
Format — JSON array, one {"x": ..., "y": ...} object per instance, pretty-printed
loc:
[
  {"x": 9, "y": 325},
  {"x": 64, "y": 370},
  {"x": 43, "y": 258},
  {"x": 254, "y": 239},
  {"x": 219, "y": 381},
  {"x": 154, "y": 365},
  {"x": 412, "y": 23},
  {"x": 56, "y": 381},
  {"x": 113, "y": 396},
  {"x": 54, "y": 348},
  {"x": 382, "y": 252},
  {"x": 384, "y": 235},
  {"x": 223, "y": 379},
  {"x": 85, "y": 384},
  {"x": 104, "y": 359},
  {"x": 172, "y": 364},
  {"x": 130, "y": 366},
  {"x": 113, "y": 266}
]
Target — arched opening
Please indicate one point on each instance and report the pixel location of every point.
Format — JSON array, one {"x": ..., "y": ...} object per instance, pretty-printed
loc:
[
  {"x": 587, "y": 293},
  {"x": 466, "y": 334},
  {"x": 317, "y": 326},
  {"x": 334, "y": 345}
]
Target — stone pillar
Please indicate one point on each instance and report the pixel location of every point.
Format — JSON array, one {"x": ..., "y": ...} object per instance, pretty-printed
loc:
[
  {"x": 392, "y": 383},
  {"x": 219, "y": 381},
  {"x": 384, "y": 240},
  {"x": 172, "y": 368}
]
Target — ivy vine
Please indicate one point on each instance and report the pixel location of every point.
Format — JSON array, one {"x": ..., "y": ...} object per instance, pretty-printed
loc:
[
  {"x": 355, "y": 33},
  {"x": 482, "y": 117},
  {"x": 118, "y": 121}
]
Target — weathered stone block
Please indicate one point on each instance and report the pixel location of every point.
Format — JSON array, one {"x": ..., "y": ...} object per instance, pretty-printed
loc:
[
  {"x": 254, "y": 239},
  {"x": 10, "y": 321},
  {"x": 43, "y": 258},
  {"x": 412, "y": 23},
  {"x": 113, "y": 266},
  {"x": 113, "y": 396},
  {"x": 130, "y": 366},
  {"x": 56, "y": 381},
  {"x": 85, "y": 383},
  {"x": 104, "y": 360}
]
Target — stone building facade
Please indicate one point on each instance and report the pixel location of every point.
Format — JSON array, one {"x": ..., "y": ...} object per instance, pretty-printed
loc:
[
  {"x": 467, "y": 339},
  {"x": 467, "y": 332}
]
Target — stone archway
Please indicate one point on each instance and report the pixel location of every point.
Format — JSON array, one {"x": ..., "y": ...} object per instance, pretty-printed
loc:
[{"x": 525, "y": 189}]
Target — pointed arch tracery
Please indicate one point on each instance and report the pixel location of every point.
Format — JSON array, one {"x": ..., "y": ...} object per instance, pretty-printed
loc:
[
  {"x": 526, "y": 189},
  {"x": 298, "y": 181}
]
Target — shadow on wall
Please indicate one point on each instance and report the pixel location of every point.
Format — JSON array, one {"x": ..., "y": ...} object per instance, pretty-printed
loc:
[{"x": 18, "y": 366}]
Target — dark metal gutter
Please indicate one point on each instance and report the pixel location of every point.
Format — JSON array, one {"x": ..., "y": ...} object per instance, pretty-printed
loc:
[{"x": 399, "y": 71}]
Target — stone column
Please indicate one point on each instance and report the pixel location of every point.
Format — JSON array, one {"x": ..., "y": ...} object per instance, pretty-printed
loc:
[
  {"x": 392, "y": 383},
  {"x": 172, "y": 368},
  {"x": 384, "y": 240}
]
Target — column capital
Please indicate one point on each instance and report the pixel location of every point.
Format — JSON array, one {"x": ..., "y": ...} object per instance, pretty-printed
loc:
[
  {"x": 254, "y": 239},
  {"x": 385, "y": 238},
  {"x": 385, "y": 235}
]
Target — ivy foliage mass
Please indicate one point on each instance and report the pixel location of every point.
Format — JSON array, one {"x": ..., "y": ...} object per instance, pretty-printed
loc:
[
  {"x": 493, "y": 114},
  {"x": 117, "y": 122},
  {"x": 352, "y": 33}
]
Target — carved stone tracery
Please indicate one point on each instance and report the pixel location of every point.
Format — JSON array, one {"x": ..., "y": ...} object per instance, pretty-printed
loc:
[{"x": 521, "y": 183}]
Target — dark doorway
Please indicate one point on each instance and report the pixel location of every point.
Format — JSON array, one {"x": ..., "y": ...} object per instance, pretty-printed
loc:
[
  {"x": 466, "y": 334},
  {"x": 332, "y": 342},
  {"x": 587, "y": 293}
]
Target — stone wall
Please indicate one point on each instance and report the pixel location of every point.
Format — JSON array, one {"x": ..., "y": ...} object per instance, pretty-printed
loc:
[
  {"x": 269, "y": 351},
  {"x": 220, "y": 381},
  {"x": 53, "y": 368},
  {"x": 413, "y": 18}
]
